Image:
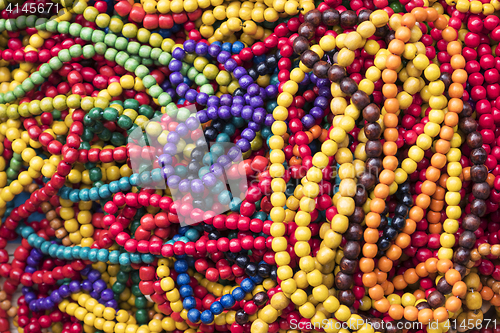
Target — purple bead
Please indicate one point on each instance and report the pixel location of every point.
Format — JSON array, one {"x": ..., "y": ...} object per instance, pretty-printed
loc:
[
  {"x": 86, "y": 285},
  {"x": 26, "y": 290},
  {"x": 55, "y": 297},
  {"x": 321, "y": 102},
  {"x": 184, "y": 185},
  {"x": 36, "y": 253},
  {"x": 64, "y": 291},
  {"x": 99, "y": 286},
  {"x": 240, "y": 72},
  {"x": 191, "y": 95},
  {"x": 321, "y": 83},
  {"x": 238, "y": 100},
  {"x": 217, "y": 169},
  {"x": 164, "y": 159},
  {"x": 247, "y": 112},
  {"x": 94, "y": 275},
  {"x": 226, "y": 100},
  {"x": 86, "y": 270},
  {"x": 248, "y": 134},
  {"x": 192, "y": 123},
  {"x": 202, "y": 98},
  {"x": 32, "y": 261},
  {"x": 178, "y": 53},
  {"x": 201, "y": 49},
  {"x": 325, "y": 92},
  {"x": 94, "y": 294},
  {"x": 316, "y": 112},
  {"x": 234, "y": 153},
  {"x": 31, "y": 296},
  {"x": 33, "y": 306},
  {"x": 253, "y": 89},
  {"x": 213, "y": 101},
  {"x": 171, "y": 91},
  {"x": 182, "y": 130},
  {"x": 253, "y": 126},
  {"x": 243, "y": 144},
  {"x": 262, "y": 93},
  {"x": 176, "y": 78},
  {"x": 30, "y": 269},
  {"x": 256, "y": 102},
  {"x": 209, "y": 179},
  {"x": 74, "y": 286},
  {"x": 245, "y": 81},
  {"x": 189, "y": 46},
  {"x": 308, "y": 121},
  {"x": 259, "y": 115},
  {"x": 49, "y": 304},
  {"x": 182, "y": 89},
  {"x": 224, "y": 160},
  {"x": 271, "y": 91},
  {"x": 214, "y": 50},
  {"x": 223, "y": 57},
  {"x": 202, "y": 116},
  {"x": 269, "y": 119},
  {"x": 230, "y": 65},
  {"x": 224, "y": 112},
  {"x": 248, "y": 98},
  {"x": 175, "y": 65},
  {"x": 212, "y": 112},
  {"x": 107, "y": 295},
  {"x": 112, "y": 304},
  {"x": 173, "y": 137},
  {"x": 165, "y": 85},
  {"x": 197, "y": 186},
  {"x": 167, "y": 171},
  {"x": 170, "y": 149},
  {"x": 236, "y": 110},
  {"x": 306, "y": 80},
  {"x": 313, "y": 78}
]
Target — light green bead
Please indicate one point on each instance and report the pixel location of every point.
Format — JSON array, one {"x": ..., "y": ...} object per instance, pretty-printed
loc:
[
  {"x": 55, "y": 64},
  {"x": 45, "y": 69},
  {"x": 10, "y": 25},
  {"x": 28, "y": 84},
  {"x": 51, "y": 26},
  {"x": 88, "y": 51},
  {"x": 98, "y": 36},
  {"x": 19, "y": 91},
  {"x": 21, "y": 22},
  {"x": 155, "y": 53},
  {"x": 148, "y": 81},
  {"x": 86, "y": 33},
  {"x": 110, "y": 39},
  {"x": 147, "y": 62},
  {"x": 75, "y": 29},
  {"x": 145, "y": 51},
  {"x": 131, "y": 65},
  {"x": 121, "y": 58},
  {"x": 41, "y": 23},
  {"x": 110, "y": 54},
  {"x": 155, "y": 91},
  {"x": 121, "y": 43},
  {"x": 165, "y": 58},
  {"x": 141, "y": 71},
  {"x": 100, "y": 48},
  {"x": 63, "y": 27},
  {"x": 37, "y": 78},
  {"x": 64, "y": 55},
  {"x": 2, "y": 24},
  {"x": 133, "y": 47},
  {"x": 164, "y": 99},
  {"x": 75, "y": 51}
]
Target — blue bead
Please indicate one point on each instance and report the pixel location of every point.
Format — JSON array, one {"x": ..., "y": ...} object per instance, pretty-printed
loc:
[
  {"x": 183, "y": 239},
  {"x": 226, "y": 47},
  {"x": 194, "y": 315},
  {"x": 124, "y": 259},
  {"x": 64, "y": 192},
  {"x": 192, "y": 235},
  {"x": 76, "y": 252},
  {"x": 32, "y": 238},
  {"x": 135, "y": 258},
  {"x": 53, "y": 250},
  {"x": 216, "y": 308},
  {"x": 257, "y": 279},
  {"x": 157, "y": 177},
  {"x": 102, "y": 255},
  {"x": 185, "y": 291},
  {"x": 84, "y": 194},
  {"x": 60, "y": 252},
  {"x": 176, "y": 238},
  {"x": 84, "y": 253},
  {"x": 45, "y": 247},
  {"x": 38, "y": 242},
  {"x": 183, "y": 279},
  {"x": 207, "y": 317},
  {"x": 182, "y": 230},
  {"x": 238, "y": 294},
  {"x": 114, "y": 257},
  {"x": 237, "y": 47},
  {"x": 247, "y": 285},
  {"x": 134, "y": 178},
  {"x": 94, "y": 194},
  {"x": 124, "y": 183},
  {"x": 93, "y": 255},
  {"x": 147, "y": 258},
  {"x": 104, "y": 191},
  {"x": 27, "y": 231},
  {"x": 74, "y": 195},
  {"x": 68, "y": 253},
  {"x": 189, "y": 303},
  {"x": 114, "y": 186},
  {"x": 227, "y": 301}
]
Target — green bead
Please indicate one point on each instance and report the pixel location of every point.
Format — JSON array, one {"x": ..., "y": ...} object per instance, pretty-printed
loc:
[
  {"x": 30, "y": 21},
  {"x": 133, "y": 47},
  {"x": 118, "y": 287},
  {"x": 116, "y": 102},
  {"x": 64, "y": 55},
  {"x": 55, "y": 63},
  {"x": 155, "y": 91},
  {"x": 200, "y": 80},
  {"x": 147, "y": 62},
  {"x": 164, "y": 99},
  {"x": 100, "y": 48},
  {"x": 171, "y": 110},
  {"x": 110, "y": 54},
  {"x": 207, "y": 89},
  {"x": 142, "y": 316},
  {"x": 184, "y": 69},
  {"x": 155, "y": 53},
  {"x": 122, "y": 277},
  {"x": 45, "y": 70},
  {"x": 2, "y": 24},
  {"x": 21, "y": 22},
  {"x": 131, "y": 104},
  {"x": 63, "y": 27},
  {"x": 117, "y": 139},
  {"x": 95, "y": 174},
  {"x": 10, "y": 25},
  {"x": 37, "y": 78},
  {"x": 56, "y": 114},
  {"x": 146, "y": 110},
  {"x": 141, "y": 71},
  {"x": 86, "y": 33},
  {"x": 191, "y": 73},
  {"x": 75, "y": 29},
  {"x": 141, "y": 302},
  {"x": 75, "y": 51},
  {"x": 110, "y": 40},
  {"x": 121, "y": 43},
  {"x": 2, "y": 99},
  {"x": 136, "y": 278},
  {"x": 145, "y": 51},
  {"x": 88, "y": 51},
  {"x": 148, "y": 81},
  {"x": 11, "y": 173},
  {"x": 165, "y": 58},
  {"x": 19, "y": 91},
  {"x": 121, "y": 58},
  {"x": 51, "y": 26},
  {"x": 105, "y": 135},
  {"x": 87, "y": 134},
  {"x": 98, "y": 36},
  {"x": 183, "y": 114},
  {"x": 16, "y": 165},
  {"x": 41, "y": 24},
  {"x": 131, "y": 65},
  {"x": 110, "y": 114},
  {"x": 124, "y": 122}
]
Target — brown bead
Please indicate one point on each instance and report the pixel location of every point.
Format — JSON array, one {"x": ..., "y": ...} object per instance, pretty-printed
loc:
[
  {"x": 443, "y": 286},
  {"x": 12, "y": 312},
  {"x": 393, "y": 328},
  {"x": 360, "y": 99},
  {"x": 158, "y": 316},
  {"x": 50, "y": 215},
  {"x": 446, "y": 78},
  {"x": 260, "y": 298},
  {"x": 436, "y": 299},
  {"x": 313, "y": 17},
  {"x": 373, "y": 131},
  {"x": 481, "y": 190},
  {"x": 358, "y": 216},
  {"x": 5, "y": 305},
  {"x": 371, "y": 113},
  {"x": 307, "y": 30},
  {"x": 388, "y": 35},
  {"x": 373, "y": 164},
  {"x": 354, "y": 232},
  {"x": 336, "y": 73},
  {"x": 478, "y": 173},
  {"x": 496, "y": 287},
  {"x": 474, "y": 140},
  {"x": 330, "y": 17},
  {"x": 364, "y": 15},
  {"x": 300, "y": 45},
  {"x": 45, "y": 206},
  {"x": 478, "y": 207},
  {"x": 346, "y": 297},
  {"x": 478, "y": 156},
  {"x": 373, "y": 148},
  {"x": 61, "y": 233},
  {"x": 360, "y": 196},
  {"x": 309, "y": 58},
  {"x": 367, "y": 180},
  {"x": 467, "y": 239},
  {"x": 474, "y": 255},
  {"x": 467, "y": 111},
  {"x": 343, "y": 281},
  {"x": 377, "y": 324},
  {"x": 56, "y": 224},
  {"x": 462, "y": 256},
  {"x": 321, "y": 68},
  {"x": 348, "y": 266},
  {"x": 471, "y": 222},
  {"x": 348, "y": 18},
  {"x": 352, "y": 250},
  {"x": 422, "y": 305},
  {"x": 3, "y": 295},
  {"x": 32, "y": 188},
  {"x": 348, "y": 86},
  {"x": 467, "y": 125}
]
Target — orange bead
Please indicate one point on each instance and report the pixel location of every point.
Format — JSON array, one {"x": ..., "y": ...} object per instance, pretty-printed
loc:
[
  {"x": 441, "y": 22},
  {"x": 443, "y": 146},
  {"x": 454, "y": 48},
  {"x": 453, "y": 304},
  {"x": 381, "y": 191},
  {"x": 390, "y": 90},
  {"x": 396, "y": 311},
  {"x": 428, "y": 187},
  {"x": 393, "y": 61},
  {"x": 466, "y": 174},
  {"x": 390, "y": 162},
  {"x": 384, "y": 264},
  {"x": 391, "y": 134},
  {"x": 432, "y": 14},
  {"x": 432, "y": 174},
  {"x": 452, "y": 276},
  {"x": 366, "y": 265},
  {"x": 495, "y": 301},
  {"x": 431, "y": 265},
  {"x": 410, "y": 276},
  {"x": 394, "y": 252},
  {"x": 435, "y": 228},
  {"x": 457, "y": 61},
  {"x": 421, "y": 270},
  {"x": 315, "y": 131},
  {"x": 408, "y": 20},
  {"x": 324, "y": 135},
  {"x": 419, "y": 294},
  {"x": 382, "y": 305},
  {"x": 456, "y": 90},
  {"x": 410, "y": 227},
  {"x": 381, "y": 276},
  {"x": 391, "y": 105},
  {"x": 423, "y": 200},
  {"x": 459, "y": 76},
  {"x": 444, "y": 265},
  {"x": 420, "y": 14},
  {"x": 389, "y": 75},
  {"x": 396, "y": 46},
  {"x": 403, "y": 240},
  {"x": 371, "y": 236},
  {"x": 440, "y": 314},
  {"x": 410, "y": 313},
  {"x": 370, "y": 250},
  {"x": 389, "y": 289},
  {"x": 439, "y": 194},
  {"x": 369, "y": 279},
  {"x": 416, "y": 213},
  {"x": 486, "y": 293},
  {"x": 372, "y": 220},
  {"x": 425, "y": 316},
  {"x": 490, "y": 179},
  {"x": 376, "y": 292},
  {"x": 390, "y": 119},
  {"x": 399, "y": 282},
  {"x": 449, "y": 34},
  {"x": 459, "y": 289},
  {"x": 377, "y": 205},
  {"x": 438, "y": 160},
  {"x": 446, "y": 133},
  {"x": 437, "y": 205},
  {"x": 455, "y": 105},
  {"x": 403, "y": 33}
]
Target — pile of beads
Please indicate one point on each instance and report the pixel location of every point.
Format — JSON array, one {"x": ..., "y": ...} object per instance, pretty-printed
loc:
[{"x": 258, "y": 166}]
